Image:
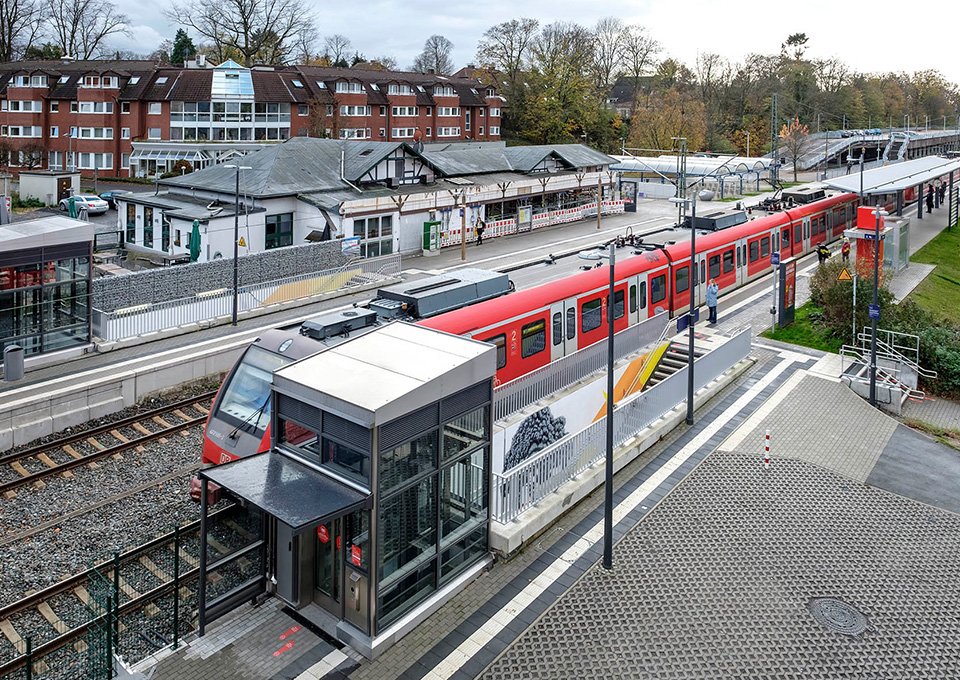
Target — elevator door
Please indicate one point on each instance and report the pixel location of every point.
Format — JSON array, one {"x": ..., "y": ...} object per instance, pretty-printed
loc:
[{"x": 329, "y": 560}]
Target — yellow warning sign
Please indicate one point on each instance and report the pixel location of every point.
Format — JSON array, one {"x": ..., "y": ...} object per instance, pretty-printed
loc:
[
  {"x": 844, "y": 275},
  {"x": 243, "y": 244}
]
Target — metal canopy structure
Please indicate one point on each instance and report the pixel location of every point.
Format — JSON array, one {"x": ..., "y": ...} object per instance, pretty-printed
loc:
[
  {"x": 292, "y": 492},
  {"x": 893, "y": 178},
  {"x": 702, "y": 166}
]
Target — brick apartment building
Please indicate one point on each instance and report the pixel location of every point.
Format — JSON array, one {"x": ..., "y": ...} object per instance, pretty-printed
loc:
[{"x": 139, "y": 118}]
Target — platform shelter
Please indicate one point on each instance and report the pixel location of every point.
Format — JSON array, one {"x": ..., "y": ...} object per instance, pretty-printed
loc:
[{"x": 371, "y": 508}]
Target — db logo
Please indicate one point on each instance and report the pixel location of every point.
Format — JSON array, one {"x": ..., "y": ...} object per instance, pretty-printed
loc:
[
  {"x": 323, "y": 534},
  {"x": 225, "y": 457}
]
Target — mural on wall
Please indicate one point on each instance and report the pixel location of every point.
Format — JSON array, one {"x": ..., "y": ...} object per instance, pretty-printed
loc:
[
  {"x": 571, "y": 413},
  {"x": 534, "y": 434}
]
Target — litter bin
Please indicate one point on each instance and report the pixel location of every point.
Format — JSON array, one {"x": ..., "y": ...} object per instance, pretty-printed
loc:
[{"x": 13, "y": 363}]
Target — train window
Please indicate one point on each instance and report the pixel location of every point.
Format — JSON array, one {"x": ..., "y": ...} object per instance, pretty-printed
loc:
[
  {"x": 682, "y": 279},
  {"x": 557, "y": 328},
  {"x": 806, "y": 230},
  {"x": 702, "y": 273},
  {"x": 754, "y": 251},
  {"x": 501, "y": 342},
  {"x": 533, "y": 338},
  {"x": 797, "y": 235},
  {"x": 765, "y": 246},
  {"x": 728, "y": 262},
  {"x": 714, "y": 266},
  {"x": 633, "y": 298},
  {"x": 618, "y": 307},
  {"x": 785, "y": 240},
  {"x": 776, "y": 241},
  {"x": 590, "y": 318},
  {"x": 643, "y": 295},
  {"x": 571, "y": 323},
  {"x": 658, "y": 289}
]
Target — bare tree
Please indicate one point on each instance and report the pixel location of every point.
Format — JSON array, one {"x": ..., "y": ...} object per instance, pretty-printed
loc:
[
  {"x": 638, "y": 52},
  {"x": 383, "y": 63},
  {"x": 795, "y": 138},
  {"x": 608, "y": 41},
  {"x": 505, "y": 47},
  {"x": 81, "y": 27},
  {"x": 20, "y": 22},
  {"x": 435, "y": 57},
  {"x": 256, "y": 30},
  {"x": 336, "y": 47}
]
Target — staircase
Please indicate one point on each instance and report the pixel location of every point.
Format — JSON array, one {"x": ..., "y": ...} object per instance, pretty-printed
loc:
[
  {"x": 896, "y": 147},
  {"x": 898, "y": 372},
  {"x": 674, "y": 359}
]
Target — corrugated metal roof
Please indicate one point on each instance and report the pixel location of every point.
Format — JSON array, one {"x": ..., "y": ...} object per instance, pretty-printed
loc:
[
  {"x": 893, "y": 178},
  {"x": 525, "y": 158},
  {"x": 468, "y": 160}
]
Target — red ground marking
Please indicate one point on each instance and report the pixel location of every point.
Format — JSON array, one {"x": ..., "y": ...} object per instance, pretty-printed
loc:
[
  {"x": 290, "y": 631},
  {"x": 287, "y": 647}
]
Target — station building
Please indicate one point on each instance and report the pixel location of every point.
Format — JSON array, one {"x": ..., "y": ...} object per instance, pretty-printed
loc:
[
  {"x": 383, "y": 195},
  {"x": 45, "y": 285},
  {"x": 372, "y": 507},
  {"x": 131, "y": 118}
]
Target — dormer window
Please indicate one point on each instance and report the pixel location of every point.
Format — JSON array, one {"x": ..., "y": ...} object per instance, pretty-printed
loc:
[
  {"x": 399, "y": 89},
  {"x": 322, "y": 85},
  {"x": 63, "y": 79},
  {"x": 134, "y": 80},
  {"x": 443, "y": 91},
  {"x": 38, "y": 81},
  {"x": 349, "y": 88}
]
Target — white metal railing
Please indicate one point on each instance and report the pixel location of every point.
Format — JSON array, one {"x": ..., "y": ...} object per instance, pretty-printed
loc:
[
  {"x": 510, "y": 397},
  {"x": 525, "y": 485},
  {"x": 886, "y": 375},
  {"x": 209, "y": 305}
]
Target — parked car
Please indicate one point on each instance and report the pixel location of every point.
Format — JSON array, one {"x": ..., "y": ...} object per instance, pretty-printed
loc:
[
  {"x": 111, "y": 198},
  {"x": 94, "y": 205}
]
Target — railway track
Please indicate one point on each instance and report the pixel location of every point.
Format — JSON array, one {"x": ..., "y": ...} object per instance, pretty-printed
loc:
[
  {"x": 62, "y": 614},
  {"x": 32, "y": 465}
]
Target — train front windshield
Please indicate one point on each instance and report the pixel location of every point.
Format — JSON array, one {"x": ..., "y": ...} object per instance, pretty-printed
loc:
[{"x": 245, "y": 402}]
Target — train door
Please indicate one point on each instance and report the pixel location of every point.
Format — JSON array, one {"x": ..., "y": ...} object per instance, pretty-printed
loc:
[
  {"x": 570, "y": 326},
  {"x": 701, "y": 280},
  {"x": 806, "y": 234},
  {"x": 633, "y": 300},
  {"x": 557, "y": 331}
]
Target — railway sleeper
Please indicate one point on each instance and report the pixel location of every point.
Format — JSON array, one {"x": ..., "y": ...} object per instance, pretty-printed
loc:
[
  {"x": 162, "y": 423},
  {"x": 141, "y": 429},
  {"x": 13, "y": 637},
  {"x": 72, "y": 452},
  {"x": 51, "y": 617},
  {"x": 119, "y": 436}
]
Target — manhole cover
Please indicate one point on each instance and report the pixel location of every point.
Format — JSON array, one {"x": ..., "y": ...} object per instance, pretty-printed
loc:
[{"x": 838, "y": 616}]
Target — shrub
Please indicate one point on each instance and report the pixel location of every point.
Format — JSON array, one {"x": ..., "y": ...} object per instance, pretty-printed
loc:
[{"x": 18, "y": 203}]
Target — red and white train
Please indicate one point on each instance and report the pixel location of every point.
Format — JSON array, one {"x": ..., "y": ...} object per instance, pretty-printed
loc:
[{"x": 534, "y": 327}]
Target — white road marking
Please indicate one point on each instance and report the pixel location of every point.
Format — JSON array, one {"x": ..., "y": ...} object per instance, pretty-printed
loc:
[{"x": 469, "y": 647}]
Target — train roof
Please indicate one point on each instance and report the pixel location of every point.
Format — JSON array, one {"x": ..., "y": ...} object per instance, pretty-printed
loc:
[{"x": 522, "y": 302}]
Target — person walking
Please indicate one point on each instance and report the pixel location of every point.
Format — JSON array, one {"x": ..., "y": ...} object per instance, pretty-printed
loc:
[
  {"x": 845, "y": 250},
  {"x": 480, "y": 228},
  {"x": 712, "y": 290},
  {"x": 929, "y": 198}
]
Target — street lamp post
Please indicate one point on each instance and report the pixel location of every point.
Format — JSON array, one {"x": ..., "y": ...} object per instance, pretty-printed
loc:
[
  {"x": 690, "y": 281},
  {"x": 608, "y": 490},
  {"x": 236, "y": 240},
  {"x": 873, "y": 321},
  {"x": 69, "y": 137}
]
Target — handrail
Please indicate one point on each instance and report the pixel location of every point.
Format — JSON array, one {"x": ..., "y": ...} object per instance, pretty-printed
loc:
[{"x": 883, "y": 374}]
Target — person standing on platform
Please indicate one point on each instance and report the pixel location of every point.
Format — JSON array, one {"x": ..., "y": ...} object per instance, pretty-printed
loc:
[
  {"x": 845, "y": 250},
  {"x": 929, "y": 198},
  {"x": 712, "y": 291},
  {"x": 480, "y": 228}
]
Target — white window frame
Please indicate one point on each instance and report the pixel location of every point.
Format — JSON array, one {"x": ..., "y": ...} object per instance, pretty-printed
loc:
[
  {"x": 494, "y": 113},
  {"x": 54, "y": 107},
  {"x": 448, "y": 112},
  {"x": 402, "y": 133},
  {"x": 494, "y": 129},
  {"x": 154, "y": 108},
  {"x": 124, "y": 133},
  {"x": 448, "y": 132},
  {"x": 405, "y": 111},
  {"x": 150, "y": 134},
  {"x": 54, "y": 131}
]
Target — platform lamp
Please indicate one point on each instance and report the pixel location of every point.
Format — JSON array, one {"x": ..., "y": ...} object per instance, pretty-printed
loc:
[
  {"x": 690, "y": 317},
  {"x": 236, "y": 238},
  {"x": 873, "y": 321}
]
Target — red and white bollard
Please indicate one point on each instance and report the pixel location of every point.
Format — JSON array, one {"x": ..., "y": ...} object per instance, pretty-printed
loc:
[{"x": 766, "y": 452}]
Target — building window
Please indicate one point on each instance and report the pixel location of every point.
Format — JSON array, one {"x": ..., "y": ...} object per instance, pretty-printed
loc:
[
  {"x": 153, "y": 133},
  {"x": 399, "y": 89},
  {"x": 400, "y": 133},
  {"x": 147, "y": 227},
  {"x": 494, "y": 130},
  {"x": 349, "y": 88},
  {"x": 279, "y": 231},
  {"x": 481, "y": 130},
  {"x": 124, "y": 107},
  {"x": 54, "y": 107},
  {"x": 54, "y": 131},
  {"x": 444, "y": 91},
  {"x": 91, "y": 107},
  {"x": 354, "y": 110},
  {"x": 124, "y": 133},
  {"x": 429, "y": 132},
  {"x": 301, "y": 109},
  {"x": 124, "y": 161},
  {"x": 448, "y": 132},
  {"x": 494, "y": 112},
  {"x": 448, "y": 111},
  {"x": 405, "y": 111},
  {"x": 376, "y": 234},
  {"x": 481, "y": 113},
  {"x": 383, "y": 110},
  {"x": 154, "y": 108},
  {"x": 55, "y": 160}
]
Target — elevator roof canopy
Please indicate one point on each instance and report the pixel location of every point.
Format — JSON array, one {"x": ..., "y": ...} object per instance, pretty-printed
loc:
[
  {"x": 297, "y": 495},
  {"x": 387, "y": 373},
  {"x": 897, "y": 177}
]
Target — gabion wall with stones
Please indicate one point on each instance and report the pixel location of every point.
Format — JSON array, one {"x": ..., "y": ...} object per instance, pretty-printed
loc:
[{"x": 170, "y": 283}]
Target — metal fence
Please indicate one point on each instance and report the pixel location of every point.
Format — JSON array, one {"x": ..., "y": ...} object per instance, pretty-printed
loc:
[
  {"x": 207, "y": 306},
  {"x": 517, "y": 394},
  {"x": 527, "y": 484},
  {"x": 107, "y": 240}
]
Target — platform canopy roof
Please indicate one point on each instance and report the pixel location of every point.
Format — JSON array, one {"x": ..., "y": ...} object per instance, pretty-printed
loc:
[{"x": 897, "y": 177}]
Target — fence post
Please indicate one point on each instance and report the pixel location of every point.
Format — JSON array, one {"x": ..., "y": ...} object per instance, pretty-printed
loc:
[
  {"x": 176, "y": 587},
  {"x": 109, "y": 614},
  {"x": 29, "y": 666}
]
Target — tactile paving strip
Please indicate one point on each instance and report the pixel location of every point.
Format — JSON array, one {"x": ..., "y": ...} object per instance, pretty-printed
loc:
[{"x": 716, "y": 582}]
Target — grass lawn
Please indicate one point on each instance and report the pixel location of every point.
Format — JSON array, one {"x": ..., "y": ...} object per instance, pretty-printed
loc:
[
  {"x": 803, "y": 332},
  {"x": 940, "y": 291}
]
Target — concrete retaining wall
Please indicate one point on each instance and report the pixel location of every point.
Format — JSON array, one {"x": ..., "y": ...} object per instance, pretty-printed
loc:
[{"x": 170, "y": 283}]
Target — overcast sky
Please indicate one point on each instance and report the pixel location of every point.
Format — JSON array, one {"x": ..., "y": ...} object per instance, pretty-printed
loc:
[{"x": 875, "y": 36}]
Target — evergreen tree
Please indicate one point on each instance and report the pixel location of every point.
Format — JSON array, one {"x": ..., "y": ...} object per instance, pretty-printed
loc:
[{"x": 183, "y": 48}]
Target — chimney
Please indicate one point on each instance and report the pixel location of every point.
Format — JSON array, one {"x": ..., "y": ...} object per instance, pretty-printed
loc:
[{"x": 431, "y": 71}]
